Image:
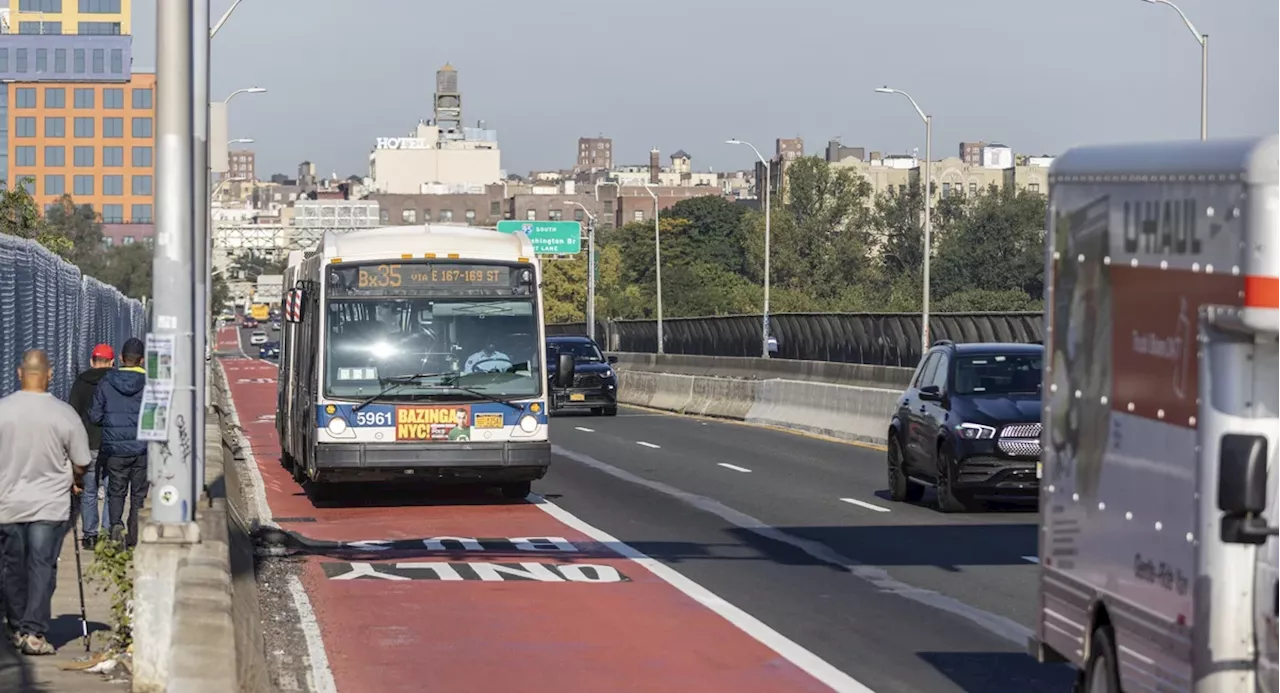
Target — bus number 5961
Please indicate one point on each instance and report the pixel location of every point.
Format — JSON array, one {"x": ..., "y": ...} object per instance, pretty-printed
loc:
[{"x": 373, "y": 418}]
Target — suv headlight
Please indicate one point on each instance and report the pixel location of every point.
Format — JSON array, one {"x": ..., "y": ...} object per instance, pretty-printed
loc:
[{"x": 972, "y": 431}]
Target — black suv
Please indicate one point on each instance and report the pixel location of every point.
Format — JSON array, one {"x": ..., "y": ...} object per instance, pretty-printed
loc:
[
  {"x": 595, "y": 385},
  {"x": 968, "y": 425}
]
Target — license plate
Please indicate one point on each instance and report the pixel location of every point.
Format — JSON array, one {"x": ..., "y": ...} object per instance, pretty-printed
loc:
[
  {"x": 488, "y": 420},
  {"x": 577, "y": 397}
]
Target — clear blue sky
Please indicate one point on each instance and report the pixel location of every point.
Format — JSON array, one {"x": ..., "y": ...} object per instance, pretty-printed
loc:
[{"x": 1033, "y": 74}]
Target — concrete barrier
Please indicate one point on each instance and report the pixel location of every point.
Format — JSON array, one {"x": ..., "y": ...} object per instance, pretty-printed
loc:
[{"x": 856, "y": 374}]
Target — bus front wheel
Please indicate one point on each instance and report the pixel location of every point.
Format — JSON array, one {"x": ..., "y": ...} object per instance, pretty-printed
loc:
[{"x": 517, "y": 490}]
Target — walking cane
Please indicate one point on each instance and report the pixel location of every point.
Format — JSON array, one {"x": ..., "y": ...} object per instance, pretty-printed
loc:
[{"x": 75, "y": 536}]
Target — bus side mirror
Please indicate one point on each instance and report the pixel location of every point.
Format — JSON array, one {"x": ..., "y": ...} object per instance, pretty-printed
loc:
[
  {"x": 564, "y": 370},
  {"x": 293, "y": 301},
  {"x": 1242, "y": 488}
]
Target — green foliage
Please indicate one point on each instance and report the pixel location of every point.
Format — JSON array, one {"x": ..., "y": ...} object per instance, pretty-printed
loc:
[
  {"x": 20, "y": 216},
  {"x": 112, "y": 570},
  {"x": 79, "y": 227},
  {"x": 250, "y": 264},
  {"x": 832, "y": 248},
  {"x": 128, "y": 268}
]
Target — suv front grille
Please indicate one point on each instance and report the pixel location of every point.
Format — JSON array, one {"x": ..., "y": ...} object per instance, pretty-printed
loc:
[
  {"x": 1021, "y": 431},
  {"x": 1020, "y": 448},
  {"x": 587, "y": 380}
]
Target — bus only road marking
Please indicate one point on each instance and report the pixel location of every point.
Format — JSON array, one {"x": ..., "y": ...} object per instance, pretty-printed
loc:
[{"x": 476, "y": 571}]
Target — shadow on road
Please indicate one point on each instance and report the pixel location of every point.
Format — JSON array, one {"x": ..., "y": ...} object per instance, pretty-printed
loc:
[
  {"x": 997, "y": 672},
  {"x": 15, "y": 672}
]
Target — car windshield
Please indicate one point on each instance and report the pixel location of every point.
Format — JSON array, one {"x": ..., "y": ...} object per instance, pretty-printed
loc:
[
  {"x": 582, "y": 351},
  {"x": 486, "y": 345},
  {"x": 998, "y": 374}
]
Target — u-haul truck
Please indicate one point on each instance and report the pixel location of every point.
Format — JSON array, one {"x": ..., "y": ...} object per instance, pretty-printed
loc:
[{"x": 1158, "y": 493}]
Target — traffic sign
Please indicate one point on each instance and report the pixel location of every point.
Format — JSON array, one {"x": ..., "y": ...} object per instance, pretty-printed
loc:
[{"x": 549, "y": 237}]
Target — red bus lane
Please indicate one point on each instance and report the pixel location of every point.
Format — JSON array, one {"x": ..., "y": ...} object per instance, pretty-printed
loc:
[{"x": 507, "y": 596}]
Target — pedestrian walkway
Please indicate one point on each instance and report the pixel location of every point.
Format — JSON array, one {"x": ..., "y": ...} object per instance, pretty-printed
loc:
[{"x": 60, "y": 673}]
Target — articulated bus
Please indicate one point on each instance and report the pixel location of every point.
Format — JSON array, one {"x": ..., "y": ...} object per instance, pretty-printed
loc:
[{"x": 415, "y": 353}]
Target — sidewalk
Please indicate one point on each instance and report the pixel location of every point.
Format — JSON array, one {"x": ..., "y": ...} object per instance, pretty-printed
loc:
[{"x": 23, "y": 674}]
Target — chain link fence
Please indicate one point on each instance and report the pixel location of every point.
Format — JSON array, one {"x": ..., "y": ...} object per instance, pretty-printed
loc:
[{"x": 46, "y": 303}]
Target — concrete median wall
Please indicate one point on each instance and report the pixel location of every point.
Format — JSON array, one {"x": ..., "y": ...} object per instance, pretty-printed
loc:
[
  {"x": 857, "y": 374},
  {"x": 847, "y": 412}
]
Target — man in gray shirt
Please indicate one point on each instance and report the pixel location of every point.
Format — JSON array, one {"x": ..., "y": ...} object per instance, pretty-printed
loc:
[{"x": 44, "y": 452}]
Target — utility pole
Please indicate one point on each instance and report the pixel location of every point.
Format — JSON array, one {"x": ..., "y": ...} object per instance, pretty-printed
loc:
[
  {"x": 201, "y": 243},
  {"x": 173, "y": 459},
  {"x": 591, "y": 277}
]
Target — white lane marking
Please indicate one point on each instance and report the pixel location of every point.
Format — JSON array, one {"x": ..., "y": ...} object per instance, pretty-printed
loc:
[
  {"x": 734, "y": 467},
  {"x": 1032, "y": 559},
  {"x": 807, "y": 661},
  {"x": 258, "y": 490},
  {"x": 648, "y": 445},
  {"x": 864, "y": 504},
  {"x": 321, "y": 675},
  {"x": 878, "y": 577},
  {"x": 584, "y": 429}
]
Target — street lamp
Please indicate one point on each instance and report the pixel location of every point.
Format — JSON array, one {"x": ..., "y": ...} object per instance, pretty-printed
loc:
[
  {"x": 768, "y": 179},
  {"x": 657, "y": 260},
  {"x": 242, "y": 140},
  {"x": 225, "y": 16},
  {"x": 1203, "y": 40},
  {"x": 591, "y": 267},
  {"x": 249, "y": 90},
  {"x": 928, "y": 208}
]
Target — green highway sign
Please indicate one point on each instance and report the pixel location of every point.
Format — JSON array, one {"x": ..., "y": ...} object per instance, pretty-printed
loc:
[{"x": 549, "y": 237}]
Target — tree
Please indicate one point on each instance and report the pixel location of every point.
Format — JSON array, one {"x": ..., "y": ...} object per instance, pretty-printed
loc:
[
  {"x": 78, "y": 224},
  {"x": 250, "y": 264},
  {"x": 20, "y": 216},
  {"x": 997, "y": 245},
  {"x": 128, "y": 268},
  {"x": 219, "y": 294},
  {"x": 713, "y": 233}
]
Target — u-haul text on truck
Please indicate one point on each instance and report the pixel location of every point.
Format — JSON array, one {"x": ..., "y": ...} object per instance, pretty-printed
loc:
[
  {"x": 1158, "y": 493},
  {"x": 416, "y": 353}
]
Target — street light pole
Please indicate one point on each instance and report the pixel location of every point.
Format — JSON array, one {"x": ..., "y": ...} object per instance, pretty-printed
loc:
[
  {"x": 591, "y": 269},
  {"x": 928, "y": 209},
  {"x": 657, "y": 259},
  {"x": 225, "y": 16},
  {"x": 768, "y": 180},
  {"x": 203, "y": 236},
  {"x": 1203, "y": 40}
]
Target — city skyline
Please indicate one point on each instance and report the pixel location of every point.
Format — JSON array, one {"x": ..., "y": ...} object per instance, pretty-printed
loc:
[{"x": 697, "y": 86}]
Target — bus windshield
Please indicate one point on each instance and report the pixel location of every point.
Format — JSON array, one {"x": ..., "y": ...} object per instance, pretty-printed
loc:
[{"x": 486, "y": 345}]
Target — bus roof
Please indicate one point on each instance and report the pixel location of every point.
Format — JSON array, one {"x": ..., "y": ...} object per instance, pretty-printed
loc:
[
  {"x": 1250, "y": 159},
  {"x": 442, "y": 239}
]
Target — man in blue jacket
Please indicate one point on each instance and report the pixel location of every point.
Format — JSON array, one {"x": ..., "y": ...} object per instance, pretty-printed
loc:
[{"x": 117, "y": 404}]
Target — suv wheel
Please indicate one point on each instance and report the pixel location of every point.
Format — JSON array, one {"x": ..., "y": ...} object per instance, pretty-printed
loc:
[
  {"x": 900, "y": 487},
  {"x": 949, "y": 500}
]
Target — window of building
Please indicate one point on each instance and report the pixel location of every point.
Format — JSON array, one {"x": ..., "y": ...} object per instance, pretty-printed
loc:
[
  {"x": 107, "y": 241},
  {"x": 100, "y": 6},
  {"x": 608, "y": 206},
  {"x": 638, "y": 215},
  {"x": 142, "y": 157},
  {"x": 60, "y": 61},
  {"x": 24, "y": 126},
  {"x": 142, "y": 214},
  {"x": 55, "y": 155},
  {"x": 113, "y": 185},
  {"x": 24, "y": 156},
  {"x": 113, "y": 98},
  {"x": 555, "y": 214},
  {"x": 83, "y": 185},
  {"x": 112, "y": 214},
  {"x": 384, "y": 216},
  {"x": 24, "y": 97},
  {"x": 21, "y": 54},
  {"x": 143, "y": 98},
  {"x": 84, "y": 127},
  {"x": 83, "y": 98},
  {"x": 117, "y": 61},
  {"x": 495, "y": 208},
  {"x": 99, "y": 55},
  {"x": 409, "y": 216},
  {"x": 142, "y": 127},
  {"x": 99, "y": 29},
  {"x": 946, "y": 190},
  {"x": 4, "y": 59},
  {"x": 55, "y": 184},
  {"x": 78, "y": 57},
  {"x": 973, "y": 189},
  {"x": 446, "y": 215},
  {"x": 82, "y": 157},
  {"x": 113, "y": 127},
  {"x": 530, "y": 215},
  {"x": 55, "y": 126},
  {"x": 142, "y": 185},
  {"x": 1033, "y": 187},
  {"x": 471, "y": 216},
  {"x": 127, "y": 240},
  {"x": 55, "y": 97},
  {"x": 42, "y": 60},
  {"x": 113, "y": 156},
  {"x": 577, "y": 215},
  {"x": 39, "y": 27},
  {"x": 50, "y": 6}
]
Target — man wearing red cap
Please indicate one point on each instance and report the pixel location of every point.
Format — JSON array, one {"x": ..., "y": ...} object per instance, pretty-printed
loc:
[{"x": 81, "y": 399}]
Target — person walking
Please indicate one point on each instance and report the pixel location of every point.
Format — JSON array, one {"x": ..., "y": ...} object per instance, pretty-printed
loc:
[
  {"x": 116, "y": 406},
  {"x": 81, "y": 399},
  {"x": 44, "y": 454}
]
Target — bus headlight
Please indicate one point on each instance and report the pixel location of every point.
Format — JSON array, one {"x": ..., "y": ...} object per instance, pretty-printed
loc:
[
  {"x": 528, "y": 423},
  {"x": 337, "y": 426}
]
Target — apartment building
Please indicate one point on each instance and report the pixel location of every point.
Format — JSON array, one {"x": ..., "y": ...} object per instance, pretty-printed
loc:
[{"x": 72, "y": 17}]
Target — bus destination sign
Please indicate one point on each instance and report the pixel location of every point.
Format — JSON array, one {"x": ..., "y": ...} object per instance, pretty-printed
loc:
[{"x": 411, "y": 278}]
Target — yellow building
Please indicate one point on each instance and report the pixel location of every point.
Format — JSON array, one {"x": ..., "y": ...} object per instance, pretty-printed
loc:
[{"x": 71, "y": 17}]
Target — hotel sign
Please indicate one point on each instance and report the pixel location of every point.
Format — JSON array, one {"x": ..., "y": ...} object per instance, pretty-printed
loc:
[{"x": 404, "y": 143}]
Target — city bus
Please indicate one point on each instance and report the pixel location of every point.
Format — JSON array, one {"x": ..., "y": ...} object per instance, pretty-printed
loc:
[{"x": 415, "y": 353}]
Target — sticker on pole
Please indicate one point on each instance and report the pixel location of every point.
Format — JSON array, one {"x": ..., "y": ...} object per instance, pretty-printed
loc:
[{"x": 168, "y": 495}]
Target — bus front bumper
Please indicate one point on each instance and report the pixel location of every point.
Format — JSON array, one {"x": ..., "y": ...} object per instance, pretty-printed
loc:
[{"x": 451, "y": 462}]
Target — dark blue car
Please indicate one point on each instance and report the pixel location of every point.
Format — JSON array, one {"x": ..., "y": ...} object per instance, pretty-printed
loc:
[
  {"x": 595, "y": 384},
  {"x": 269, "y": 350}
]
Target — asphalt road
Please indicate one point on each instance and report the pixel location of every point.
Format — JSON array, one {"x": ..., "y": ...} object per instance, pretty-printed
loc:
[{"x": 798, "y": 532}]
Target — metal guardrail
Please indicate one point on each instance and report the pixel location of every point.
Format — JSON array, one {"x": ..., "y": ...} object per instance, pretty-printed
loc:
[{"x": 46, "y": 303}]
